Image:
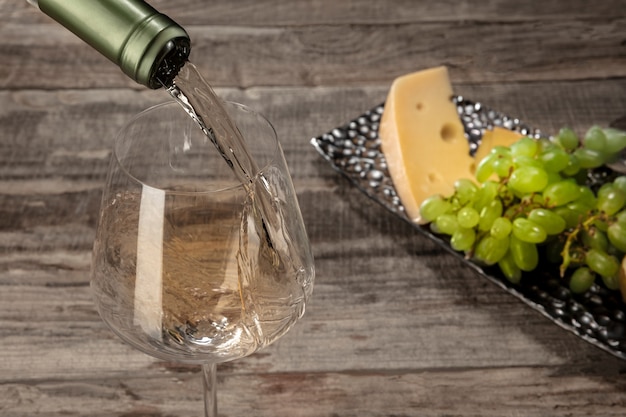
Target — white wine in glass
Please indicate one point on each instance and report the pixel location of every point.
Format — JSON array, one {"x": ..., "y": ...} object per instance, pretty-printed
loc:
[{"x": 191, "y": 264}]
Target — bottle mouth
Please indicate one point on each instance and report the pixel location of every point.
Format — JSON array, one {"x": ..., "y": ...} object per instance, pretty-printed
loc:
[
  {"x": 155, "y": 51},
  {"x": 173, "y": 57}
]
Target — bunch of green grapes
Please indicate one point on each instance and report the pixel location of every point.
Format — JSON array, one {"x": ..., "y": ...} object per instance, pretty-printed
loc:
[{"x": 534, "y": 196}]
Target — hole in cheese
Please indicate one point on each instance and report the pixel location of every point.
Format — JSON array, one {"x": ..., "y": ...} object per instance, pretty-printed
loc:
[
  {"x": 419, "y": 106},
  {"x": 448, "y": 132}
]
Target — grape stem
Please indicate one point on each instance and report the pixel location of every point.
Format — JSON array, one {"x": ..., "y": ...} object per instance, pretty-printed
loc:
[{"x": 571, "y": 238}]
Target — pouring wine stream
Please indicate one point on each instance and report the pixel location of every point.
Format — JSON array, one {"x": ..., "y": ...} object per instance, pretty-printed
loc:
[{"x": 201, "y": 103}]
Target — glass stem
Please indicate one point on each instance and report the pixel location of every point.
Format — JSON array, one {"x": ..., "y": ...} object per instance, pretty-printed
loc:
[{"x": 209, "y": 372}]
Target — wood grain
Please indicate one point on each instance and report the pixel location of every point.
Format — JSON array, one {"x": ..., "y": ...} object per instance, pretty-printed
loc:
[
  {"x": 312, "y": 12},
  {"x": 396, "y": 326},
  {"x": 311, "y": 55}
]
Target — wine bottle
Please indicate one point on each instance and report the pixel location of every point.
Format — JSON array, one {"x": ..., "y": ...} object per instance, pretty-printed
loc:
[{"x": 147, "y": 45}]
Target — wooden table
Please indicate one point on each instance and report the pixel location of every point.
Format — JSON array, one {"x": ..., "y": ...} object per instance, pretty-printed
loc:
[{"x": 396, "y": 326}]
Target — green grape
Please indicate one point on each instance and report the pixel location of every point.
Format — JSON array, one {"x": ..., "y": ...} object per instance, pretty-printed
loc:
[
  {"x": 446, "y": 224},
  {"x": 490, "y": 250},
  {"x": 595, "y": 238},
  {"x": 589, "y": 158},
  {"x": 489, "y": 214},
  {"x": 528, "y": 179},
  {"x": 509, "y": 269},
  {"x": 570, "y": 215},
  {"x": 465, "y": 190},
  {"x": 621, "y": 218},
  {"x": 551, "y": 222},
  {"x": 573, "y": 166},
  {"x": 612, "y": 282},
  {"x": 620, "y": 183},
  {"x": 553, "y": 177},
  {"x": 526, "y": 161},
  {"x": 567, "y": 139},
  {"x": 511, "y": 211},
  {"x": 547, "y": 145},
  {"x": 554, "y": 160},
  {"x": 525, "y": 254},
  {"x": 501, "y": 228},
  {"x": 503, "y": 166},
  {"x": 433, "y": 207},
  {"x": 602, "y": 263},
  {"x": 485, "y": 170},
  {"x": 532, "y": 200},
  {"x": 615, "y": 140},
  {"x": 501, "y": 150},
  {"x": 467, "y": 217},
  {"x": 581, "y": 280},
  {"x": 525, "y": 146},
  {"x": 463, "y": 239},
  {"x": 561, "y": 193},
  {"x": 600, "y": 224},
  {"x": 610, "y": 199},
  {"x": 506, "y": 196},
  {"x": 595, "y": 139},
  {"x": 528, "y": 231},
  {"x": 605, "y": 188},
  {"x": 616, "y": 233},
  {"x": 579, "y": 213},
  {"x": 586, "y": 198},
  {"x": 612, "y": 250},
  {"x": 579, "y": 208},
  {"x": 487, "y": 192},
  {"x": 553, "y": 251}
]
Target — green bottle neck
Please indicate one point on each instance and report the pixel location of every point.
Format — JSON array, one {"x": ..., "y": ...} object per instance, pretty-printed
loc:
[{"x": 148, "y": 46}]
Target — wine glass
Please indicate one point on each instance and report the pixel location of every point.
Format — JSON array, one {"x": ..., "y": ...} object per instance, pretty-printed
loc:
[{"x": 190, "y": 264}]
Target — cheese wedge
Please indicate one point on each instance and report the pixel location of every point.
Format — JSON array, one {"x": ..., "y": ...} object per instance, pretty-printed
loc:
[{"x": 423, "y": 140}]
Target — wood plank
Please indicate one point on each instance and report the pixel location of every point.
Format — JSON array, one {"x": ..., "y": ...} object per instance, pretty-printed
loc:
[
  {"x": 485, "y": 52},
  {"x": 177, "y": 391},
  {"x": 37, "y": 145},
  {"x": 316, "y": 12}
]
